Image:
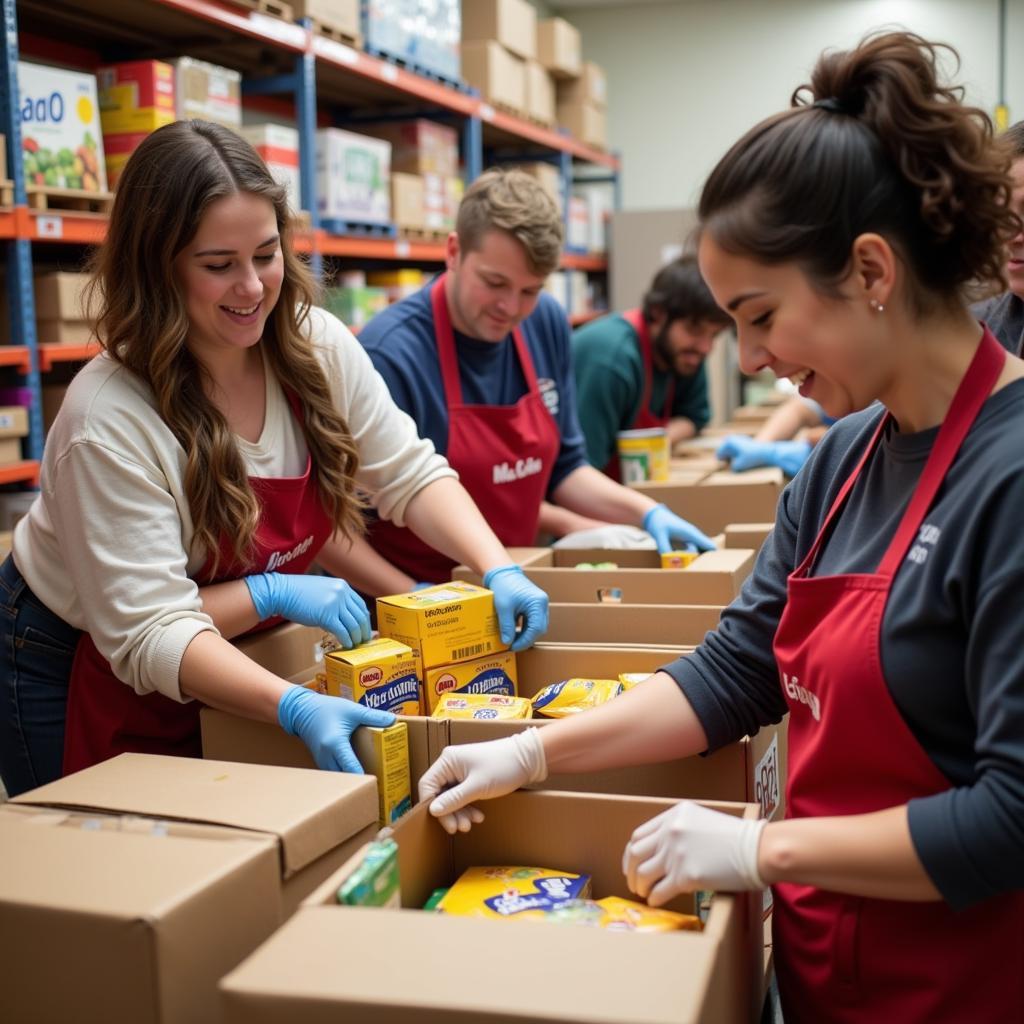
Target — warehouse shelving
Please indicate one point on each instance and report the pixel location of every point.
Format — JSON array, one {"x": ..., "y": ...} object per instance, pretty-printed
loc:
[{"x": 315, "y": 79}]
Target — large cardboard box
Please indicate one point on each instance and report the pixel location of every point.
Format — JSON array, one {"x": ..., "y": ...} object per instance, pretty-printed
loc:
[
  {"x": 407, "y": 207},
  {"x": 420, "y": 146},
  {"x": 629, "y": 624},
  {"x": 540, "y": 93},
  {"x": 721, "y": 498},
  {"x": 135, "y": 96},
  {"x": 590, "y": 86},
  {"x": 714, "y": 578},
  {"x": 315, "y": 818},
  {"x": 207, "y": 91},
  {"x": 585, "y": 121},
  {"x": 499, "y": 75},
  {"x": 512, "y": 23},
  {"x": 451, "y": 966},
  {"x": 111, "y": 918},
  {"x": 13, "y": 421},
  {"x": 747, "y": 535},
  {"x": 353, "y": 177},
  {"x": 338, "y": 14},
  {"x": 60, "y": 295},
  {"x": 278, "y": 145},
  {"x": 559, "y": 48}
]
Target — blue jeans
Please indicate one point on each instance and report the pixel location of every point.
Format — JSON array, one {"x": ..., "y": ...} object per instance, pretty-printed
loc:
[{"x": 37, "y": 649}]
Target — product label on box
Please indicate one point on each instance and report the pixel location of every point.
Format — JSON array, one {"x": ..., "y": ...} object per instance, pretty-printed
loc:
[
  {"x": 494, "y": 674},
  {"x": 381, "y": 674},
  {"x": 766, "y": 779}
]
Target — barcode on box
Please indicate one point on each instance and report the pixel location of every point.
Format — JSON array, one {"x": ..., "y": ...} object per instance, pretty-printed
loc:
[{"x": 468, "y": 652}]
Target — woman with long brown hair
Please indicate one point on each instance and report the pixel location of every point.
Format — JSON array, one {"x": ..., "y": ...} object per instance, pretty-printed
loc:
[
  {"x": 219, "y": 444},
  {"x": 884, "y": 613}
]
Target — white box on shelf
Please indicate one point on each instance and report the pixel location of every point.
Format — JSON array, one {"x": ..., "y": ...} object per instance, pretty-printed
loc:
[{"x": 353, "y": 175}]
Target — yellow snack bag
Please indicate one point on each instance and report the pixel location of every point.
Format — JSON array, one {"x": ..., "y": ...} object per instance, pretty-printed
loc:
[
  {"x": 512, "y": 892},
  {"x": 482, "y": 706},
  {"x": 627, "y": 680},
  {"x": 571, "y": 696},
  {"x": 617, "y": 914}
]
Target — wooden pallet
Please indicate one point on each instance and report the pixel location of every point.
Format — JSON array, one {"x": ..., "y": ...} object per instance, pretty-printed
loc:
[
  {"x": 6, "y": 192},
  {"x": 275, "y": 8},
  {"x": 432, "y": 236},
  {"x": 76, "y": 199},
  {"x": 337, "y": 34}
]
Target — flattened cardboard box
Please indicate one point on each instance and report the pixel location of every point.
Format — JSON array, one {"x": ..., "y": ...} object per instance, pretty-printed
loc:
[
  {"x": 714, "y": 578},
  {"x": 442, "y": 968},
  {"x": 106, "y": 919},
  {"x": 316, "y": 817}
]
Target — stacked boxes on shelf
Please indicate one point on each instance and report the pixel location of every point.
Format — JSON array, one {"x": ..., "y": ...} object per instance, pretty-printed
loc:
[
  {"x": 581, "y": 106},
  {"x": 60, "y": 308},
  {"x": 421, "y": 33},
  {"x": 337, "y": 17},
  {"x": 570, "y": 288},
  {"x": 499, "y": 39},
  {"x": 353, "y": 301},
  {"x": 13, "y": 427},
  {"x": 278, "y": 145},
  {"x": 353, "y": 179}
]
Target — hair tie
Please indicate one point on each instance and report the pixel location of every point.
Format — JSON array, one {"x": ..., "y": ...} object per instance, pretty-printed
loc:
[{"x": 831, "y": 104}]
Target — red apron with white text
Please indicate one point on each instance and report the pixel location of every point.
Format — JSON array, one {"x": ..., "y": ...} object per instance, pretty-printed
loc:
[
  {"x": 106, "y": 717},
  {"x": 644, "y": 419},
  {"x": 504, "y": 455},
  {"x": 848, "y": 959}
]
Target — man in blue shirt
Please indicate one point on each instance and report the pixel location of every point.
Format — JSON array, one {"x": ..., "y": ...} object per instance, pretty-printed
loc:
[{"x": 480, "y": 359}]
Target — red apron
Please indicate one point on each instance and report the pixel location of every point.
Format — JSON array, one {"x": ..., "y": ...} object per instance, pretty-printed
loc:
[
  {"x": 504, "y": 455},
  {"x": 106, "y": 717},
  {"x": 644, "y": 419},
  {"x": 855, "y": 960}
]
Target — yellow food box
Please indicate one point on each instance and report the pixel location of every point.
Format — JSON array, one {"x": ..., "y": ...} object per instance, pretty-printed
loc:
[
  {"x": 482, "y": 706},
  {"x": 627, "y": 680},
  {"x": 572, "y": 696},
  {"x": 493, "y": 673},
  {"x": 512, "y": 892},
  {"x": 677, "y": 559},
  {"x": 385, "y": 753},
  {"x": 382, "y": 674},
  {"x": 318, "y": 684},
  {"x": 443, "y": 624}
]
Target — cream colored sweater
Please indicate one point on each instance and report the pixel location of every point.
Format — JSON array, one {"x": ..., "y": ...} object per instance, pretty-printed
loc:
[{"x": 108, "y": 544}]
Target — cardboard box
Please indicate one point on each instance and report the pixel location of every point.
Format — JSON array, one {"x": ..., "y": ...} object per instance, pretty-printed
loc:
[
  {"x": 207, "y": 91},
  {"x": 499, "y": 75},
  {"x": 420, "y": 146},
  {"x": 61, "y": 137},
  {"x": 10, "y": 451},
  {"x": 5, "y": 543},
  {"x": 353, "y": 177},
  {"x": 747, "y": 535},
  {"x": 135, "y": 96},
  {"x": 382, "y": 674},
  {"x": 549, "y": 177},
  {"x": 338, "y": 14},
  {"x": 630, "y": 624},
  {"x": 493, "y": 673},
  {"x": 714, "y": 578},
  {"x": 315, "y": 817},
  {"x": 443, "y": 624},
  {"x": 559, "y": 47},
  {"x": 108, "y": 918},
  {"x": 355, "y": 306},
  {"x": 586, "y": 122},
  {"x": 425, "y": 33},
  {"x": 286, "y": 650},
  {"x": 590, "y": 87},
  {"x": 540, "y": 93},
  {"x": 512, "y": 23},
  {"x": 278, "y": 145},
  {"x": 13, "y": 421},
  {"x": 714, "y": 975},
  {"x": 60, "y": 296},
  {"x": 5, "y": 171},
  {"x": 407, "y": 207}
]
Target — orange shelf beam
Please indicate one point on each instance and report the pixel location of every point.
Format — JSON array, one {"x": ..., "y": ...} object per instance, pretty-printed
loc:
[
  {"x": 20, "y": 472},
  {"x": 62, "y": 226},
  {"x": 594, "y": 262},
  {"x": 15, "y": 355},
  {"x": 50, "y": 354},
  {"x": 379, "y": 248},
  {"x": 8, "y": 223}
]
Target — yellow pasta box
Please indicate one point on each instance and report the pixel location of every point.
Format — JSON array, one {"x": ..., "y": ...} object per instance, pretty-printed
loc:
[
  {"x": 482, "y": 707},
  {"x": 493, "y": 673},
  {"x": 512, "y": 892},
  {"x": 677, "y": 559},
  {"x": 382, "y": 674},
  {"x": 385, "y": 753},
  {"x": 444, "y": 624}
]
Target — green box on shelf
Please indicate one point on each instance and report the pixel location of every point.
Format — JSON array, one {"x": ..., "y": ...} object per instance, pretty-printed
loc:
[{"x": 355, "y": 306}]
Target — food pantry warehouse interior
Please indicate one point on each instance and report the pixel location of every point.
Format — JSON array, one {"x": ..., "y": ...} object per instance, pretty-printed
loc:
[{"x": 192, "y": 442}]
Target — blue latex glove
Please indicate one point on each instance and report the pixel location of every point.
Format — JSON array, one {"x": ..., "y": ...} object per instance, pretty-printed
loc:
[
  {"x": 671, "y": 531},
  {"x": 745, "y": 453},
  {"x": 515, "y": 596},
  {"x": 322, "y": 601},
  {"x": 325, "y": 724}
]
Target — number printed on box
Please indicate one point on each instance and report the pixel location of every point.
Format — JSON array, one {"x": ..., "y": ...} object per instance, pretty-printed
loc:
[{"x": 766, "y": 779}]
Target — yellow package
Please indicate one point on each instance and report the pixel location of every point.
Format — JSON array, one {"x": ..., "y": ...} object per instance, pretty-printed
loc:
[
  {"x": 571, "y": 696},
  {"x": 627, "y": 680},
  {"x": 677, "y": 559},
  {"x": 617, "y": 914},
  {"x": 385, "y": 753},
  {"x": 493, "y": 673},
  {"x": 318, "y": 683},
  {"x": 443, "y": 625},
  {"x": 381, "y": 674},
  {"x": 482, "y": 706},
  {"x": 512, "y": 892}
]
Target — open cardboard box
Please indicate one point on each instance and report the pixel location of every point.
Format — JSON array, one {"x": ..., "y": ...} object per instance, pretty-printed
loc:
[
  {"x": 627, "y": 625},
  {"x": 314, "y": 818},
  {"x": 411, "y": 965},
  {"x": 747, "y": 535},
  {"x": 714, "y": 578},
  {"x": 721, "y": 498}
]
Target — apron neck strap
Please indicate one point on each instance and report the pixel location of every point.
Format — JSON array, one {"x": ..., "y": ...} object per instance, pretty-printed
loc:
[{"x": 635, "y": 319}]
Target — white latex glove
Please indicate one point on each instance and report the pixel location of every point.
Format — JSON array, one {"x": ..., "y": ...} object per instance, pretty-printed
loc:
[
  {"x": 480, "y": 771},
  {"x": 691, "y": 847}
]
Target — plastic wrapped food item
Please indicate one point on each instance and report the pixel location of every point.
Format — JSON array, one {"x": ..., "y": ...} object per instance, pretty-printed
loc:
[
  {"x": 512, "y": 892},
  {"x": 482, "y": 706},
  {"x": 572, "y": 696},
  {"x": 627, "y": 680},
  {"x": 617, "y": 914},
  {"x": 374, "y": 883},
  {"x": 597, "y": 565}
]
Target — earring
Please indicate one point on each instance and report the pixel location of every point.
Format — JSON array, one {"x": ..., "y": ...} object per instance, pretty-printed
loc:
[{"x": 876, "y": 305}]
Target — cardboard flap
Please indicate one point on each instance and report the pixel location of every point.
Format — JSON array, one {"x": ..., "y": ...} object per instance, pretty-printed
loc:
[
  {"x": 309, "y": 811},
  {"x": 631, "y": 624}
]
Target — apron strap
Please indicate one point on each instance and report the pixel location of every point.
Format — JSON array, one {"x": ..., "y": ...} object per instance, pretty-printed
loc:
[{"x": 635, "y": 319}]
